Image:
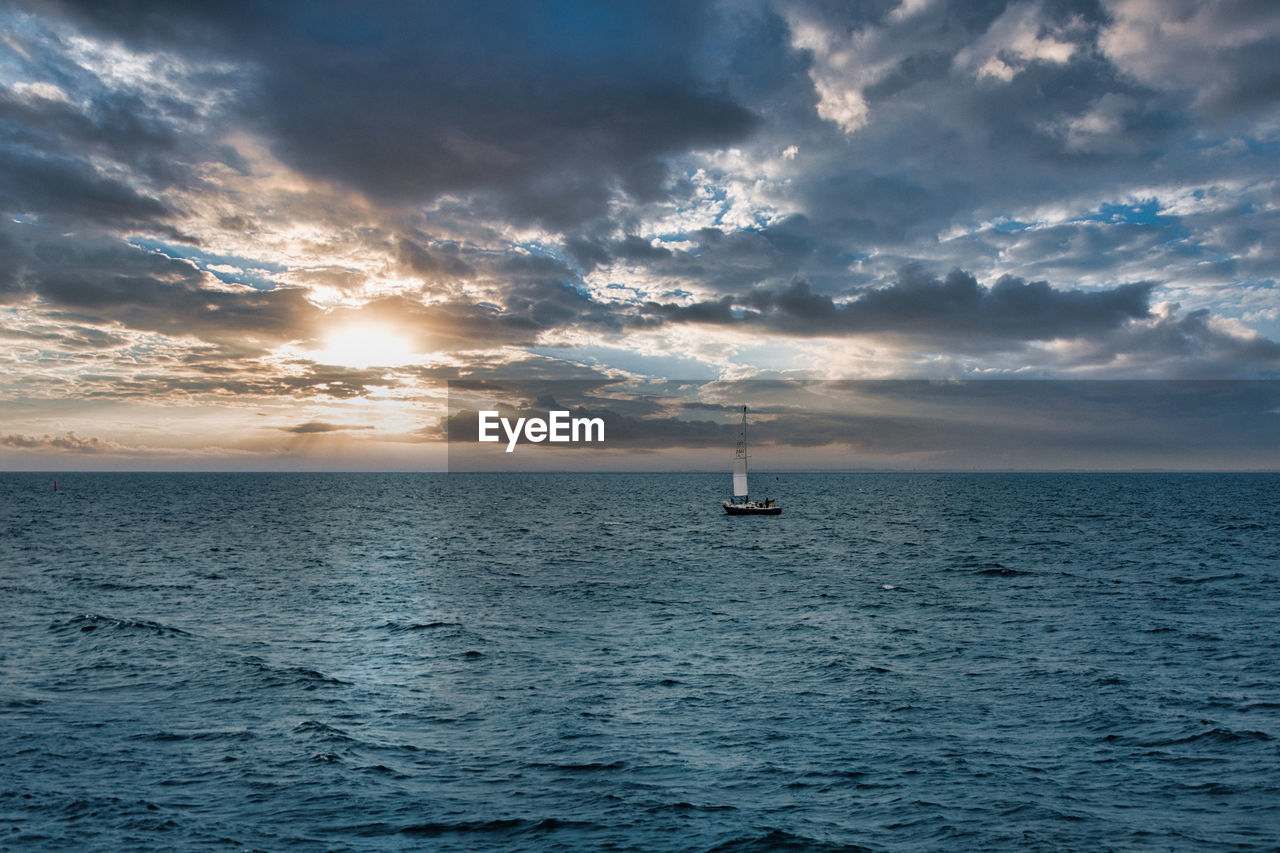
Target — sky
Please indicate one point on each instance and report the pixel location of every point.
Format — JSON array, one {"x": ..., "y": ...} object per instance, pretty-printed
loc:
[{"x": 244, "y": 236}]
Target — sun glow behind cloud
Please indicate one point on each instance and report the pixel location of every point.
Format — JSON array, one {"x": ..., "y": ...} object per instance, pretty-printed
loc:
[{"x": 364, "y": 345}]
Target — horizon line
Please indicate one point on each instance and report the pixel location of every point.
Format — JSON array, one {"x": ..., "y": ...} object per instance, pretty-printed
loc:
[{"x": 779, "y": 472}]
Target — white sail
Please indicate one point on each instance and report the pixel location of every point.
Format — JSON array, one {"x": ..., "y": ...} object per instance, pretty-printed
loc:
[
  {"x": 742, "y": 504},
  {"x": 740, "y": 459}
]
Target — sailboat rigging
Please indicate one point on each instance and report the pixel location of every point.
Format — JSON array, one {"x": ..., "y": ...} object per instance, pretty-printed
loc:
[{"x": 742, "y": 503}]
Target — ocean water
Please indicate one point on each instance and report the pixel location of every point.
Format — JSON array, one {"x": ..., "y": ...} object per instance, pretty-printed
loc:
[{"x": 608, "y": 662}]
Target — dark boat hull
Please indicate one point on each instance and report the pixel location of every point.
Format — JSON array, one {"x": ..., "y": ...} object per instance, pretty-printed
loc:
[{"x": 751, "y": 508}]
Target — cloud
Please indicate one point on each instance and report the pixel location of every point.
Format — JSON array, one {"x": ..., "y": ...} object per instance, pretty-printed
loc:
[
  {"x": 1223, "y": 51},
  {"x": 44, "y": 185},
  {"x": 121, "y": 125},
  {"x": 69, "y": 336},
  {"x": 956, "y": 309},
  {"x": 434, "y": 265},
  {"x": 222, "y": 376},
  {"x": 313, "y": 427},
  {"x": 842, "y": 66},
  {"x": 104, "y": 282},
  {"x": 1194, "y": 345},
  {"x": 405, "y": 101},
  {"x": 1017, "y": 38},
  {"x": 721, "y": 259},
  {"x": 68, "y": 442}
]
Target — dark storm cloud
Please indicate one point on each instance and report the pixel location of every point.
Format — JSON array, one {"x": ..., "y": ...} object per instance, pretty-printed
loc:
[
  {"x": 83, "y": 280},
  {"x": 1090, "y": 246},
  {"x": 947, "y": 144},
  {"x": 1223, "y": 52},
  {"x": 62, "y": 187},
  {"x": 121, "y": 126},
  {"x": 552, "y": 303},
  {"x": 921, "y": 305},
  {"x": 1251, "y": 78},
  {"x": 727, "y": 260},
  {"x": 11, "y": 252},
  {"x": 1189, "y": 342},
  {"x": 981, "y": 150},
  {"x": 81, "y": 155},
  {"x": 152, "y": 305},
  {"x": 893, "y": 207},
  {"x": 403, "y": 101},
  {"x": 1102, "y": 417},
  {"x": 431, "y": 265}
]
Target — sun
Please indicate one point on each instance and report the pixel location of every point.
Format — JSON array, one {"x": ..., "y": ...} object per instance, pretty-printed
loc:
[{"x": 365, "y": 346}]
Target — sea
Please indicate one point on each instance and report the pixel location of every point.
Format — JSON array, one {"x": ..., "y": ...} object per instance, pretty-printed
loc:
[{"x": 575, "y": 662}]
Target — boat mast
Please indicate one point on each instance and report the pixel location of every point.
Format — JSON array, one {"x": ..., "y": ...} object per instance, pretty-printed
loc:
[{"x": 740, "y": 460}]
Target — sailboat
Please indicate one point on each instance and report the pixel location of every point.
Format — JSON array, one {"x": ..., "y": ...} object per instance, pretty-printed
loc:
[{"x": 742, "y": 503}]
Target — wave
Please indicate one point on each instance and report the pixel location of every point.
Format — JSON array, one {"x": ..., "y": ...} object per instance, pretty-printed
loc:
[
  {"x": 405, "y": 628},
  {"x": 588, "y": 767},
  {"x": 1260, "y": 706},
  {"x": 289, "y": 676},
  {"x": 776, "y": 839},
  {"x": 1207, "y": 579},
  {"x": 1214, "y": 735},
  {"x": 322, "y": 731},
  {"x": 89, "y": 622},
  {"x": 209, "y": 735},
  {"x": 689, "y": 807},
  {"x": 1221, "y": 735},
  {"x": 513, "y": 826}
]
